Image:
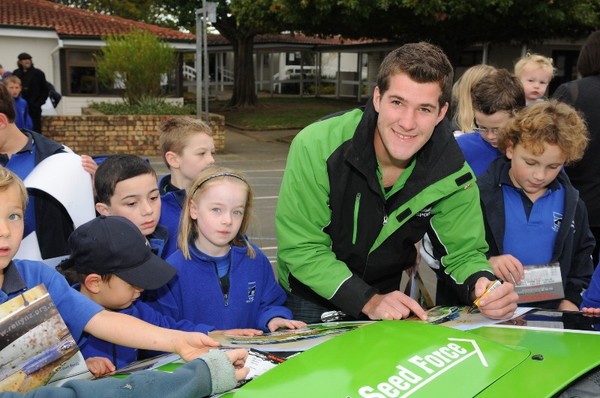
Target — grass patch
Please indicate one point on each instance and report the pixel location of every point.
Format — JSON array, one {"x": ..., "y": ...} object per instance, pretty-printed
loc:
[{"x": 281, "y": 113}]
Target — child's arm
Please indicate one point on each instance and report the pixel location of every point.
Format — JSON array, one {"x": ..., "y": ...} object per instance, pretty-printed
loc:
[{"x": 128, "y": 331}]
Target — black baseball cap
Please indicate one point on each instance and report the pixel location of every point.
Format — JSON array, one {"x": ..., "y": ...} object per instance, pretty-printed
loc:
[
  {"x": 114, "y": 245},
  {"x": 23, "y": 56}
]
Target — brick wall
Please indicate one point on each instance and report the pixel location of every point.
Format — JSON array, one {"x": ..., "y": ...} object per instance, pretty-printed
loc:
[{"x": 101, "y": 134}]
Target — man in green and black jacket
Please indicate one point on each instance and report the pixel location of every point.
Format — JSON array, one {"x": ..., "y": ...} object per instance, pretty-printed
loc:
[{"x": 361, "y": 188}]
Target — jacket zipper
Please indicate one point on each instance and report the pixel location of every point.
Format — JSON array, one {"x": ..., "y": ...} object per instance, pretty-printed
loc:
[{"x": 356, "y": 209}]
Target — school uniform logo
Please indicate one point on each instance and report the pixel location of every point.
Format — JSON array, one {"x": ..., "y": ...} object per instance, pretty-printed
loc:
[
  {"x": 251, "y": 292},
  {"x": 557, "y": 221}
]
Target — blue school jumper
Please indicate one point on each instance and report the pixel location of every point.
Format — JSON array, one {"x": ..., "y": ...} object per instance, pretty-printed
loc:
[
  {"x": 172, "y": 200},
  {"x": 477, "y": 151},
  {"x": 250, "y": 298}
]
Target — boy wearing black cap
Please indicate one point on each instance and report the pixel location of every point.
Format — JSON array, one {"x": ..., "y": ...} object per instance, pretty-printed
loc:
[
  {"x": 80, "y": 314},
  {"x": 113, "y": 263},
  {"x": 35, "y": 88}
]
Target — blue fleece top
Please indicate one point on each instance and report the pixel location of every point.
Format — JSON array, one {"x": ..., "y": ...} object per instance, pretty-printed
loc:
[
  {"x": 171, "y": 205},
  {"x": 74, "y": 307},
  {"x": 477, "y": 151},
  {"x": 120, "y": 356},
  {"x": 22, "y": 118},
  {"x": 591, "y": 297},
  {"x": 195, "y": 294}
]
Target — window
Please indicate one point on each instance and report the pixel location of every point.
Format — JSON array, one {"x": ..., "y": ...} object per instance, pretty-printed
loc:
[{"x": 81, "y": 74}]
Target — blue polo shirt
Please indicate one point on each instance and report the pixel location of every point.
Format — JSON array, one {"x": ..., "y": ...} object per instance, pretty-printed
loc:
[
  {"x": 74, "y": 307},
  {"x": 478, "y": 153},
  {"x": 531, "y": 227}
]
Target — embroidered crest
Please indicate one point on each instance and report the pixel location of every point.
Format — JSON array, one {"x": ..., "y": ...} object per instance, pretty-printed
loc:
[{"x": 251, "y": 292}]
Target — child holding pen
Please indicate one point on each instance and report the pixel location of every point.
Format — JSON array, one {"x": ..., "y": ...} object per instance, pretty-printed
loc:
[{"x": 533, "y": 214}]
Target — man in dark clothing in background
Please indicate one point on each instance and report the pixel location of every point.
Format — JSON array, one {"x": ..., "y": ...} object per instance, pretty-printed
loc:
[{"x": 35, "y": 88}]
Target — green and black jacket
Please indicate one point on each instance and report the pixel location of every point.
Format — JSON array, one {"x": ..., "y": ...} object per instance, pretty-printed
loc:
[{"x": 342, "y": 237}]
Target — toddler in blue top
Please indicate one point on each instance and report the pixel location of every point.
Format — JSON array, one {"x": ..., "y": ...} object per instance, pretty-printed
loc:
[{"x": 222, "y": 279}]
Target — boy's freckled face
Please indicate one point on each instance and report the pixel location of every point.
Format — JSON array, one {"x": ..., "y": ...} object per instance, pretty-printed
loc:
[
  {"x": 11, "y": 224},
  {"x": 196, "y": 156},
  {"x": 138, "y": 200},
  {"x": 533, "y": 173},
  {"x": 116, "y": 294}
]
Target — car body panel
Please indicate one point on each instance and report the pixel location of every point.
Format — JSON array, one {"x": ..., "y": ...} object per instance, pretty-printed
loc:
[{"x": 424, "y": 362}]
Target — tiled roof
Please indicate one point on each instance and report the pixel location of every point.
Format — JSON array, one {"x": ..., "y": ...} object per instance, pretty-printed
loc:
[
  {"x": 74, "y": 22},
  {"x": 70, "y": 21}
]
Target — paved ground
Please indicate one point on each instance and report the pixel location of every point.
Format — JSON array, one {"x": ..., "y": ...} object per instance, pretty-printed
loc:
[{"x": 261, "y": 155}]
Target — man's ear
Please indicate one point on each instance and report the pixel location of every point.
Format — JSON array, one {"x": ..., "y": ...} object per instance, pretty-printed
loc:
[
  {"x": 92, "y": 283},
  {"x": 172, "y": 159},
  {"x": 102, "y": 209}
]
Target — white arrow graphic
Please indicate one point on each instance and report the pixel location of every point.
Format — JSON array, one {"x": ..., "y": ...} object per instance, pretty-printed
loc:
[{"x": 476, "y": 351}]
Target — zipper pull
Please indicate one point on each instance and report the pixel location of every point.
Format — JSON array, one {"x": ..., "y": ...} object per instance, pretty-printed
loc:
[{"x": 385, "y": 219}]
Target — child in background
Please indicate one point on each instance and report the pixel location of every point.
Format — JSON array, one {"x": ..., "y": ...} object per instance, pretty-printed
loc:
[
  {"x": 127, "y": 186},
  {"x": 187, "y": 148},
  {"x": 80, "y": 314},
  {"x": 535, "y": 72},
  {"x": 113, "y": 263},
  {"x": 533, "y": 214},
  {"x": 591, "y": 297},
  {"x": 496, "y": 98},
  {"x": 463, "y": 114},
  {"x": 22, "y": 118},
  {"x": 222, "y": 279}
]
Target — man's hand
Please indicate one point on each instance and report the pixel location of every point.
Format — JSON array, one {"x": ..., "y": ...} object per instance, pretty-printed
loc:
[
  {"x": 238, "y": 360},
  {"x": 100, "y": 366},
  {"x": 507, "y": 268},
  {"x": 394, "y": 305},
  {"x": 500, "y": 303}
]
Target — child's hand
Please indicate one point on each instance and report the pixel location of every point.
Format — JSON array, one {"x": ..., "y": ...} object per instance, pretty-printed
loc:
[
  {"x": 99, "y": 366},
  {"x": 237, "y": 332},
  {"x": 190, "y": 345},
  {"x": 591, "y": 311},
  {"x": 238, "y": 360},
  {"x": 507, "y": 268},
  {"x": 89, "y": 165},
  {"x": 278, "y": 323}
]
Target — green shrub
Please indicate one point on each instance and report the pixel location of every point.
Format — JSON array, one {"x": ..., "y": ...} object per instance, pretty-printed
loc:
[{"x": 135, "y": 61}]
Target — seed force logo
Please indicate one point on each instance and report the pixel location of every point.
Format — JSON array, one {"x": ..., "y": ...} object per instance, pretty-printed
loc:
[{"x": 418, "y": 371}]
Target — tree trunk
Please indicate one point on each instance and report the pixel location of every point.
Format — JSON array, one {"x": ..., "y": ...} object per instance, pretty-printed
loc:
[{"x": 244, "y": 94}]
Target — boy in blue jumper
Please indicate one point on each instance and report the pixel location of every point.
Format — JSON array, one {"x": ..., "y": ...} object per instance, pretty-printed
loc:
[
  {"x": 127, "y": 186},
  {"x": 80, "y": 314},
  {"x": 187, "y": 148},
  {"x": 496, "y": 98},
  {"x": 22, "y": 119},
  {"x": 533, "y": 214},
  {"x": 113, "y": 263}
]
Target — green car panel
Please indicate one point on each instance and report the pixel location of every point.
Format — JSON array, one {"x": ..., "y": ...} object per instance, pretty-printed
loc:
[{"x": 391, "y": 359}]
